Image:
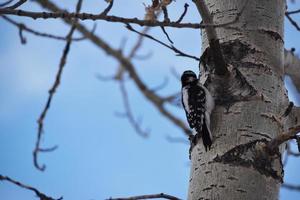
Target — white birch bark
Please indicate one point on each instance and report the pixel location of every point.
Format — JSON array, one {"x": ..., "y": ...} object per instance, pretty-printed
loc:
[{"x": 244, "y": 118}]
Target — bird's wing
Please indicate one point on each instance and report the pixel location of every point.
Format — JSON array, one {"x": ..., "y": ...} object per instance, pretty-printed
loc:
[{"x": 196, "y": 102}]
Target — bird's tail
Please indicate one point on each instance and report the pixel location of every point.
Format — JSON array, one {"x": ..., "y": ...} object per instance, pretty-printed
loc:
[{"x": 206, "y": 137}]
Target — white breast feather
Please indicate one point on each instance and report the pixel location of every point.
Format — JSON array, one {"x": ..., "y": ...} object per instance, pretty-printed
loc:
[{"x": 185, "y": 99}]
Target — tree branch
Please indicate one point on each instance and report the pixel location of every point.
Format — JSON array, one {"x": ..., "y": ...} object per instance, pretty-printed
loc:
[
  {"x": 41, "y": 34},
  {"x": 6, "y": 3},
  {"x": 88, "y": 16},
  {"x": 281, "y": 138},
  {"x": 132, "y": 53},
  {"x": 290, "y": 186},
  {"x": 293, "y": 22},
  {"x": 179, "y": 53},
  {"x": 41, "y": 195},
  {"x": 18, "y": 4},
  {"x": 156, "y": 100},
  {"x": 128, "y": 113},
  {"x": 186, "y": 6},
  {"x": 150, "y": 196},
  {"x": 108, "y": 8},
  {"x": 292, "y": 67},
  {"x": 292, "y": 12},
  {"x": 109, "y": 18},
  {"x": 51, "y": 94}
]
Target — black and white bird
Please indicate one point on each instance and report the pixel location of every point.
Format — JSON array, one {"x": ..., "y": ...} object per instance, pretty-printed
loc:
[{"x": 198, "y": 105}]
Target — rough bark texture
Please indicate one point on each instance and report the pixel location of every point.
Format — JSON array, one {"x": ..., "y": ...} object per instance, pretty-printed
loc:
[{"x": 248, "y": 103}]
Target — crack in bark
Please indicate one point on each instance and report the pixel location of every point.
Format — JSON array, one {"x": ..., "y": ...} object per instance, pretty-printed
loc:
[
  {"x": 229, "y": 90},
  {"x": 274, "y": 35},
  {"x": 232, "y": 88},
  {"x": 252, "y": 155},
  {"x": 241, "y": 191}
]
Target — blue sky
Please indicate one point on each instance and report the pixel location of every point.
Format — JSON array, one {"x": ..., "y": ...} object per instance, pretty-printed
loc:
[{"x": 99, "y": 154}]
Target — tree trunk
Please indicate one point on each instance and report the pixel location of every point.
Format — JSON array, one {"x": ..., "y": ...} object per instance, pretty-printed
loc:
[{"x": 248, "y": 104}]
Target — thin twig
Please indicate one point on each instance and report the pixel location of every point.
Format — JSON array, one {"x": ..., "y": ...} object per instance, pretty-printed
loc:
[
  {"x": 281, "y": 138},
  {"x": 156, "y": 100},
  {"x": 22, "y": 38},
  {"x": 18, "y": 4},
  {"x": 108, "y": 8},
  {"x": 174, "y": 99},
  {"x": 41, "y": 195},
  {"x": 41, "y": 34},
  {"x": 109, "y": 18},
  {"x": 290, "y": 186},
  {"x": 128, "y": 113},
  {"x": 6, "y": 3},
  {"x": 89, "y": 16},
  {"x": 143, "y": 57},
  {"x": 132, "y": 53},
  {"x": 150, "y": 196},
  {"x": 179, "y": 53},
  {"x": 293, "y": 22},
  {"x": 292, "y": 12},
  {"x": 184, "y": 13},
  {"x": 51, "y": 94},
  {"x": 167, "y": 35},
  {"x": 166, "y": 16},
  {"x": 161, "y": 86}
]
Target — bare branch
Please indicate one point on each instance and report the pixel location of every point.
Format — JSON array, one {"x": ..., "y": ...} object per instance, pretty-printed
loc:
[
  {"x": 281, "y": 138},
  {"x": 23, "y": 27},
  {"x": 167, "y": 35},
  {"x": 292, "y": 12},
  {"x": 184, "y": 13},
  {"x": 88, "y": 16},
  {"x": 51, "y": 94},
  {"x": 293, "y": 22},
  {"x": 166, "y": 16},
  {"x": 156, "y": 100},
  {"x": 150, "y": 196},
  {"x": 290, "y": 186},
  {"x": 41, "y": 195},
  {"x": 292, "y": 67},
  {"x": 132, "y": 53},
  {"x": 22, "y": 38},
  {"x": 109, "y": 7},
  {"x": 143, "y": 57},
  {"x": 128, "y": 113},
  {"x": 179, "y": 53},
  {"x": 162, "y": 85},
  {"x": 175, "y": 73},
  {"x": 109, "y": 18},
  {"x": 6, "y": 3},
  {"x": 174, "y": 99}
]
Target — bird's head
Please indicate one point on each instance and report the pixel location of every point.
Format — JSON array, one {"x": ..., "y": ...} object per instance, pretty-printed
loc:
[{"x": 188, "y": 77}]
